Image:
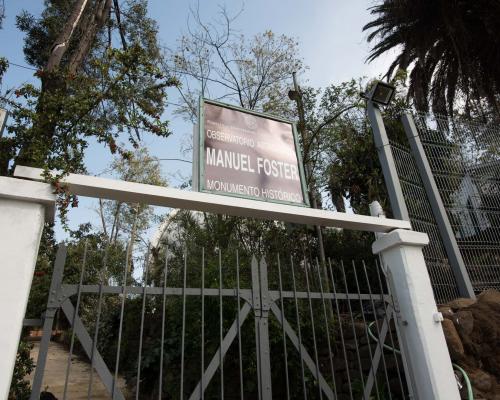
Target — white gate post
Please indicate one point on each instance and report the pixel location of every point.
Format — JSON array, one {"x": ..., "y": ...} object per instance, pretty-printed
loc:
[
  {"x": 24, "y": 208},
  {"x": 418, "y": 319}
]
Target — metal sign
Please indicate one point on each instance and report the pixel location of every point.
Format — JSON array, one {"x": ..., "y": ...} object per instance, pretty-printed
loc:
[{"x": 246, "y": 154}]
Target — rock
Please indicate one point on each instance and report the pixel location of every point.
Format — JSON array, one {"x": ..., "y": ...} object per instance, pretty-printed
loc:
[
  {"x": 490, "y": 295},
  {"x": 447, "y": 312},
  {"x": 480, "y": 380},
  {"x": 453, "y": 341},
  {"x": 464, "y": 322},
  {"x": 458, "y": 304}
]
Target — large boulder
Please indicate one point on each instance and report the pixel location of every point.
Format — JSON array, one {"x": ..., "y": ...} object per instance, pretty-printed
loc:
[
  {"x": 464, "y": 322},
  {"x": 447, "y": 312},
  {"x": 472, "y": 330},
  {"x": 490, "y": 296},
  {"x": 460, "y": 303},
  {"x": 481, "y": 380},
  {"x": 453, "y": 340}
]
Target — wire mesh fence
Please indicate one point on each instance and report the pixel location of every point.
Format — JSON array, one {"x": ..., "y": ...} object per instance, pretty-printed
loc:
[
  {"x": 422, "y": 219},
  {"x": 214, "y": 324},
  {"x": 464, "y": 158},
  {"x": 465, "y": 161}
]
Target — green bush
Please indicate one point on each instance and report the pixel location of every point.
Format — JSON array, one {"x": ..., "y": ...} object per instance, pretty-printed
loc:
[{"x": 20, "y": 388}]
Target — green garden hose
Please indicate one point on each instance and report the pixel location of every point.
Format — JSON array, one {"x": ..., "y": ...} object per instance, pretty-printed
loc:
[{"x": 470, "y": 394}]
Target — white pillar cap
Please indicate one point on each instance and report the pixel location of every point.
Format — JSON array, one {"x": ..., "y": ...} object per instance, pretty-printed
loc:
[
  {"x": 399, "y": 237},
  {"x": 34, "y": 192}
]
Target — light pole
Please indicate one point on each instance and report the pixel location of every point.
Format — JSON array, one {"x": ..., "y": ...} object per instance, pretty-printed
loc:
[{"x": 381, "y": 94}]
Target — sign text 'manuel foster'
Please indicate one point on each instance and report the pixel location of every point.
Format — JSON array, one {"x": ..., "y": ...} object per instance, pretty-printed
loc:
[{"x": 250, "y": 155}]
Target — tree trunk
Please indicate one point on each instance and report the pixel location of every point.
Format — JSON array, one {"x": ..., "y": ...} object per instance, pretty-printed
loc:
[
  {"x": 101, "y": 213},
  {"x": 54, "y": 89},
  {"x": 96, "y": 23},
  {"x": 61, "y": 44}
]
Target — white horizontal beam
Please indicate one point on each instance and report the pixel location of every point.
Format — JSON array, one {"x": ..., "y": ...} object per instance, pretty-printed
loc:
[{"x": 130, "y": 192}]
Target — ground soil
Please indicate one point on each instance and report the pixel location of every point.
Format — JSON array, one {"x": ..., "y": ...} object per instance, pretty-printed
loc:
[{"x": 55, "y": 373}]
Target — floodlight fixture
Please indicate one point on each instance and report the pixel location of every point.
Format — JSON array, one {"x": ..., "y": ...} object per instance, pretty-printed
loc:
[{"x": 380, "y": 93}]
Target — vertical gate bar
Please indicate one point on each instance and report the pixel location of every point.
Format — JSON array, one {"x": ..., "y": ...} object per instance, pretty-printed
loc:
[
  {"x": 98, "y": 321},
  {"x": 202, "y": 387},
  {"x": 52, "y": 305},
  {"x": 263, "y": 321},
  {"x": 283, "y": 330},
  {"x": 120, "y": 327},
  {"x": 327, "y": 328},
  {"x": 378, "y": 328},
  {"x": 340, "y": 329},
  {"x": 352, "y": 324},
  {"x": 143, "y": 312},
  {"x": 77, "y": 308},
  {"x": 238, "y": 322},
  {"x": 257, "y": 312},
  {"x": 374, "y": 371},
  {"x": 375, "y": 361},
  {"x": 308, "y": 360},
  {"x": 298, "y": 329},
  {"x": 86, "y": 341},
  {"x": 163, "y": 313},
  {"x": 221, "y": 328},
  {"x": 306, "y": 264},
  {"x": 386, "y": 316},
  {"x": 181, "y": 396},
  {"x": 230, "y": 337}
]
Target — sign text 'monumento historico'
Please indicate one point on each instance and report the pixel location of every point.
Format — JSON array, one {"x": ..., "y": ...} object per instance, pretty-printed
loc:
[{"x": 241, "y": 153}]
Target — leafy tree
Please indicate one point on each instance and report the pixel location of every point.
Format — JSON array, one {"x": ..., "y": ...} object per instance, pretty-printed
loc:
[
  {"x": 122, "y": 220},
  {"x": 90, "y": 86},
  {"x": 254, "y": 73},
  {"x": 213, "y": 61},
  {"x": 447, "y": 45},
  {"x": 20, "y": 388},
  {"x": 340, "y": 151}
]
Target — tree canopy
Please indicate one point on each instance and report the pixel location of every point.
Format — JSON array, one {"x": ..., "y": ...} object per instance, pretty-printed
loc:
[
  {"x": 450, "y": 47},
  {"x": 91, "y": 84}
]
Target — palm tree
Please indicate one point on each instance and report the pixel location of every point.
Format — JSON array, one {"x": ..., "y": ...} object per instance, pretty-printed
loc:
[{"x": 451, "y": 46}]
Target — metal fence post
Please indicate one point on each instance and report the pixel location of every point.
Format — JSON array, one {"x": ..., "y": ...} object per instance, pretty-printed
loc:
[
  {"x": 419, "y": 321},
  {"x": 455, "y": 258},
  {"x": 261, "y": 306},
  {"x": 386, "y": 159},
  {"x": 52, "y": 306}
]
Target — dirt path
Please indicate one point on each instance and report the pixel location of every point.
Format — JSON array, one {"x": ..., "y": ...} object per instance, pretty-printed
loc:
[{"x": 55, "y": 374}]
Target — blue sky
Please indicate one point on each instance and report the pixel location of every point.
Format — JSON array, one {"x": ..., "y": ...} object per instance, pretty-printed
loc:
[{"x": 331, "y": 44}]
